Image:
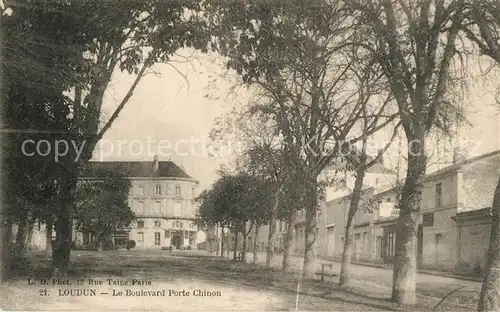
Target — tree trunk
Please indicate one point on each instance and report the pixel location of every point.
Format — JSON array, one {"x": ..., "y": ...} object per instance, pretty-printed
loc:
[
  {"x": 29, "y": 235},
  {"x": 270, "y": 241},
  {"x": 245, "y": 233},
  {"x": 235, "y": 251},
  {"x": 405, "y": 257},
  {"x": 489, "y": 299},
  {"x": 62, "y": 249},
  {"x": 311, "y": 232},
  {"x": 21, "y": 232},
  {"x": 272, "y": 230},
  {"x": 288, "y": 244},
  {"x": 349, "y": 231},
  {"x": 48, "y": 235},
  {"x": 255, "y": 259}
]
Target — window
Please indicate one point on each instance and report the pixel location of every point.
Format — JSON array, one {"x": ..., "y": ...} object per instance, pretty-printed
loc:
[
  {"x": 157, "y": 223},
  {"x": 186, "y": 235},
  {"x": 140, "y": 224},
  {"x": 365, "y": 242},
  {"x": 376, "y": 180},
  {"x": 181, "y": 225},
  {"x": 141, "y": 207},
  {"x": 177, "y": 209},
  {"x": 177, "y": 224},
  {"x": 177, "y": 190},
  {"x": 428, "y": 219},
  {"x": 140, "y": 239},
  {"x": 167, "y": 234},
  {"x": 193, "y": 192},
  {"x": 157, "y": 238},
  {"x": 439, "y": 194},
  {"x": 158, "y": 190},
  {"x": 380, "y": 252},
  {"x": 389, "y": 199},
  {"x": 140, "y": 190},
  {"x": 157, "y": 207}
]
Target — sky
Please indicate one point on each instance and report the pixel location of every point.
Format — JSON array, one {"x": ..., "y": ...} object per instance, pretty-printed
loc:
[{"x": 173, "y": 111}]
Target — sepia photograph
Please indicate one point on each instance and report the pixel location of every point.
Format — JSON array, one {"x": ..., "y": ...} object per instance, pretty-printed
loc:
[{"x": 250, "y": 155}]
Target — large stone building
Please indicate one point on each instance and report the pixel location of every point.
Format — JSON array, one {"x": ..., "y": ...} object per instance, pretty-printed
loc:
[
  {"x": 162, "y": 198},
  {"x": 454, "y": 220}
]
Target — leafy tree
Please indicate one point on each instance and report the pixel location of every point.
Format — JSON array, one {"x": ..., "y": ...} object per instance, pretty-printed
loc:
[
  {"x": 102, "y": 205},
  {"x": 233, "y": 201},
  {"x": 30, "y": 99},
  {"x": 265, "y": 155},
  {"x": 295, "y": 54}
]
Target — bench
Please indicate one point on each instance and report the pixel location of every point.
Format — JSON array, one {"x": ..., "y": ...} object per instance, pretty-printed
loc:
[{"x": 323, "y": 273}]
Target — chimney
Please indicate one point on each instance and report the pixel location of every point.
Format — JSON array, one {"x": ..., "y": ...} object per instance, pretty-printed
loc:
[{"x": 156, "y": 163}]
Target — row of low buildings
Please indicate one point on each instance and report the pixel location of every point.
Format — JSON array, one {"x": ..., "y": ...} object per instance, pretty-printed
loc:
[{"x": 454, "y": 225}]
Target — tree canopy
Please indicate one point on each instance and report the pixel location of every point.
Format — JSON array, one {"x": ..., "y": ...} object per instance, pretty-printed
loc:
[{"x": 234, "y": 200}]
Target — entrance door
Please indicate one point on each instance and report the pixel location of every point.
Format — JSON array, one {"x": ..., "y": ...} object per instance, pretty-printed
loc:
[
  {"x": 177, "y": 240},
  {"x": 330, "y": 241},
  {"x": 420, "y": 245}
]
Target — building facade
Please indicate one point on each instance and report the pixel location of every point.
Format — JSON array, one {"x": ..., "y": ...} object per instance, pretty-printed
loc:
[{"x": 162, "y": 198}]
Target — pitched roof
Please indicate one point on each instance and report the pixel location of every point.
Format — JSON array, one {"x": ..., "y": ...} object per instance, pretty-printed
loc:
[{"x": 135, "y": 169}]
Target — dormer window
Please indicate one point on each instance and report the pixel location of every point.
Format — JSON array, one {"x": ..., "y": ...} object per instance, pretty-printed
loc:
[
  {"x": 158, "y": 190},
  {"x": 177, "y": 190}
]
